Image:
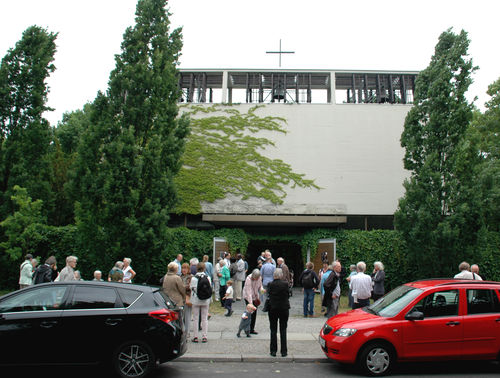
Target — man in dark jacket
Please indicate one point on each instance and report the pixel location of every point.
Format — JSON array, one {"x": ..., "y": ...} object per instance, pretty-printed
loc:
[
  {"x": 309, "y": 281},
  {"x": 332, "y": 284},
  {"x": 45, "y": 272}
]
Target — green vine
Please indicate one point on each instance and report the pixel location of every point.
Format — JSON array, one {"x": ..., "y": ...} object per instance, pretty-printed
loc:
[{"x": 223, "y": 156}]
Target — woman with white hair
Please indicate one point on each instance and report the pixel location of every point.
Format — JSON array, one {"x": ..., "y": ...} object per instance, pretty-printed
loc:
[
  {"x": 378, "y": 278},
  {"x": 128, "y": 272},
  {"x": 251, "y": 294}
]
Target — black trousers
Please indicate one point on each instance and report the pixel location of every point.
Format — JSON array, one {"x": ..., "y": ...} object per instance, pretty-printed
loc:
[
  {"x": 282, "y": 317},
  {"x": 361, "y": 303},
  {"x": 222, "y": 292},
  {"x": 254, "y": 318}
]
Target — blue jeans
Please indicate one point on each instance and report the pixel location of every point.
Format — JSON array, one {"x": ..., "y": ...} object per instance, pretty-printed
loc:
[{"x": 308, "y": 302}]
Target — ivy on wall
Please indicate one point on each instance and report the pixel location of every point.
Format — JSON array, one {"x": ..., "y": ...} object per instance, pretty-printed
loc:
[{"x": 223, "y": 156}]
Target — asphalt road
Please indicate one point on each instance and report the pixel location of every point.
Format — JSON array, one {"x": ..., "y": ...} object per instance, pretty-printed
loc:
[
  {"x": 319, "y": 370},
  {"x": 461, "y": 369}
]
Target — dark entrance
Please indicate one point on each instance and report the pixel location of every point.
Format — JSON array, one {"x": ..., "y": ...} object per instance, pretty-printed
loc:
[{"x": 289, "y": 251}]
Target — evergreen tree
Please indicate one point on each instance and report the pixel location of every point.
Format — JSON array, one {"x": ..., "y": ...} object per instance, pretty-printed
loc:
[
  {"x": 427, "y": 215},
  {"x": 24, "y": 134},
  {"x": 127, "y": 158}
]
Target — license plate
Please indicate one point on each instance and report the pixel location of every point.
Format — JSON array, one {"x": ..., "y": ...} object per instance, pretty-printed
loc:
[{"x": 322, "y": 342}]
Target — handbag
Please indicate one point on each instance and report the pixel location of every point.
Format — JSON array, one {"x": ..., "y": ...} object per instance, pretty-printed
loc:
[
  {"x": 256, "y": 302},
  {"x": 266, "y": 306},
  {"x": 188, "y": 301}
]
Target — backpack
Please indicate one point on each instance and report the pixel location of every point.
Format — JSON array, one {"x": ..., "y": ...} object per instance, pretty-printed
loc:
[
  {"x": 203, "y": 288},
  {"x": 307, "y": 280},
  {"x": 233, "y": 269},
  {"x": 330, "y": 282}
]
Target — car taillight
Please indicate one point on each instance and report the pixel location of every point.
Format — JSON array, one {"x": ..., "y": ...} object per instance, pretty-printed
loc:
[{"x": 164, "y": 315}]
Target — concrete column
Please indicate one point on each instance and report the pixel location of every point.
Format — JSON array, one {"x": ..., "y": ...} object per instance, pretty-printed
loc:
[{"x": 224, "y": 87}]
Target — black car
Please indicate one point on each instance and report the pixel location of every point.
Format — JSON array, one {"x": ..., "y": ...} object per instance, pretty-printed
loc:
[{"x": 131, "y": 326}]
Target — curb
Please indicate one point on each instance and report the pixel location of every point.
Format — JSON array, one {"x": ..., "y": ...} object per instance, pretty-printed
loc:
[{"x": 193, "y": 357}]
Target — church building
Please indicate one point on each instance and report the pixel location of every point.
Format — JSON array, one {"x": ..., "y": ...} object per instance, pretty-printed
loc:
[{"x": 343, "y": 131}]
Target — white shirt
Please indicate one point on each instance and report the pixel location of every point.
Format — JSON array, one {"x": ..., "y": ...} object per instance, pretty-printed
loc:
[
  {"x": 361, "y": 285},
  {"x": 466, "y": 275},
  {"x": 229, "y": 292}
]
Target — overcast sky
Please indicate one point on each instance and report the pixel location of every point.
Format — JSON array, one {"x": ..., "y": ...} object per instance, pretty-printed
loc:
[{"x": 325, "y": 34}]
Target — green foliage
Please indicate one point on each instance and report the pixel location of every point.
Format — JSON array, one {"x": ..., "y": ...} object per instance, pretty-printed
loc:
[
  {"x": 130, "y": 151},
  {"x": 223, "y": 156},
  {"x": 24, "y": 133},
  {"x": 22, "y": 229},
  {"x": 430, "y": 217}
]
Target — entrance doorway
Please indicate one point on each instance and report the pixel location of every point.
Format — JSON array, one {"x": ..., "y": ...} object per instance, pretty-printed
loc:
[{"x": 289, "y": 251}]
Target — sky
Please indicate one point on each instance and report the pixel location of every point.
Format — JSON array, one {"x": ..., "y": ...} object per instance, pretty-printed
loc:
[{"x": 325, "y": 34}]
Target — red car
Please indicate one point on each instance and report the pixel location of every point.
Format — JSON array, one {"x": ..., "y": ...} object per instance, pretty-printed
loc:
[{"x": 429, "y": 320}]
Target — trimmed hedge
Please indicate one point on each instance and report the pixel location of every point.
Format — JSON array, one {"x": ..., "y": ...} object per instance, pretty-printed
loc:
[{"x": 386, "y": 246}]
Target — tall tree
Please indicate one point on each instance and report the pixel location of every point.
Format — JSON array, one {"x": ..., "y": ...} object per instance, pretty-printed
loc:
[
  {"x": 427, "y": 214},
  {"x": 128, "y": 156},
  {"x": 24, "y": 134}
]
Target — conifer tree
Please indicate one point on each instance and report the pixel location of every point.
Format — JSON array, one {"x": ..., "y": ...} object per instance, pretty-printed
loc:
[
  {"x": 427, "y": 215},
  {"x": 24, "y": 134},
  {"x": 128, "y": 156}
]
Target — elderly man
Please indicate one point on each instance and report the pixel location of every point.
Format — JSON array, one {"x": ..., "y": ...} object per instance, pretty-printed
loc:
[
  {"x": 331, "y": 297},
  {"x": 474, "y": 268},
  {"x": 178, "y": 261},
  {"x": 267, "y": 270},
  {"x": 284, "y": 268},
  {"x": 68, "y": 272},
  {"x": 239, "y": 277},
  {"x": 361, "y": 285}
]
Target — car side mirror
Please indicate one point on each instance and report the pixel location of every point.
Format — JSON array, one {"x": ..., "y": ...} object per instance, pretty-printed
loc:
[{"x": 415, "y": 315}]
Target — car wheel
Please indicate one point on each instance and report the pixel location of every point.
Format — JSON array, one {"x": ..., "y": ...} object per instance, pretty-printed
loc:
[
  {"x": 133, "y": 359},
  {"x": 376, "y": 359}
]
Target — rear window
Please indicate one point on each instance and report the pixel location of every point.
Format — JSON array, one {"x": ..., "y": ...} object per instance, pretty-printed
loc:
[
  {"x": 162, "y": 299},
  {"x": 128, "y": 296},
  {"x": 482, "y": 301}
]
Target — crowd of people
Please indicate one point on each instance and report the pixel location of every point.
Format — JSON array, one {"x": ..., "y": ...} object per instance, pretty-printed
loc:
[
  {"x": 31, "y": 273},
  {"x": 193, "y": 285}
]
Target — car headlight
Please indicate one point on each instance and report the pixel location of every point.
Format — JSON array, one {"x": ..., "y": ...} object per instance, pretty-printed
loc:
[{"x": 345, "y": 332}]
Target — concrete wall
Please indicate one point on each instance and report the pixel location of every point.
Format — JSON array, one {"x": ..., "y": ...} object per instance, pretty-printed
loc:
[{"x": 352, "y": 151}]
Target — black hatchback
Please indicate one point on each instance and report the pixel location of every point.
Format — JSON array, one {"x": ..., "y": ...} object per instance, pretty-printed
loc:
[{"x": 133, "y": 327}]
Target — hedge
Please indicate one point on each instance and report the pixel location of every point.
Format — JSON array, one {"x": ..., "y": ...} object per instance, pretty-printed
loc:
[{"x": 352, "y": 246}]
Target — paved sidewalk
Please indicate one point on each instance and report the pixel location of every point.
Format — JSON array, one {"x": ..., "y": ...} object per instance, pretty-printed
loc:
[{"x": 223, "y": 345}]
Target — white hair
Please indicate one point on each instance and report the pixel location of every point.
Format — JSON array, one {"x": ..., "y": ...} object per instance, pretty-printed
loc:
[
  {"x": 278, "y": 273},
  {"x": 379, "y": 264},
  {"x": 71, "y": 258},
  {"x": 194, "y": 261},
  {"x": 127, "y": 259},
  {"x": 361, "y": 266},
  {"x": 97, "y": 272}
]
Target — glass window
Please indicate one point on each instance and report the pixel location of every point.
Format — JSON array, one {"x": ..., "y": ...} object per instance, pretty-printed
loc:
[
  {"x": 482, "y": 301},
  {"x": 393, "y": 302},
  {"x": 128, "y": 296},
  {"x": 439, "y": 303},
  {"x": 89, "y": 297},
  {"x": 38, "y": 299}
]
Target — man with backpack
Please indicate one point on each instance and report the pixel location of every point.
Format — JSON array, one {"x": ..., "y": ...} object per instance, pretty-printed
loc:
[
  {"x": 331, "y": 298},
  {"x": 309, "y": 281},
  {"x": 201, "y": 293}
]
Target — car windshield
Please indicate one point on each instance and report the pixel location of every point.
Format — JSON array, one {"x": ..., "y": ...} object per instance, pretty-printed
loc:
[{"x": 393, "y": 302}]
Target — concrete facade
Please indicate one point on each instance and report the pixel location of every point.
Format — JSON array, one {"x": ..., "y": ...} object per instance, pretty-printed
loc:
[{"x": 351, "y": 150}]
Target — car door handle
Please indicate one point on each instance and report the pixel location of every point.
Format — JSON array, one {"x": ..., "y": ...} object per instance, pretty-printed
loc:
[
  {"x": 452, "y": 323},
  {"x": 48, "y": 323},
  {"x": 113, "y": 321}
]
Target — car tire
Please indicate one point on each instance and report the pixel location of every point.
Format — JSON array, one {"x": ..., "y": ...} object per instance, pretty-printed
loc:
[
  {"x": 133, "y": 359},
  {"x": 377, "y": 359}
]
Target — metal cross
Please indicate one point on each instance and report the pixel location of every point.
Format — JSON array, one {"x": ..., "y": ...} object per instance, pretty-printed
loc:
[{"x": 280, "y": 52}]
